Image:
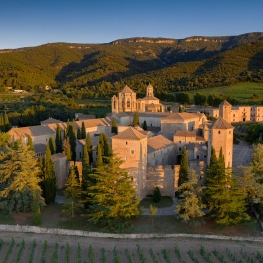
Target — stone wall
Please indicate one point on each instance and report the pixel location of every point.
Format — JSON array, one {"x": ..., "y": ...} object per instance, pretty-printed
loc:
[
  {"x": 61, "y": 169},
  {"x": 165, "y": 177}
]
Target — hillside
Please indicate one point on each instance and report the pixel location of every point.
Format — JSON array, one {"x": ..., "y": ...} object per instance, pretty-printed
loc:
[{"x": 170, "y": 64}]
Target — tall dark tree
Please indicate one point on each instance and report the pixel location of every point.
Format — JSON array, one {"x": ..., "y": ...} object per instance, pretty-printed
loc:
[
  {"x": 183, "y": 171},
  {"x": 52, "y": 146},
  {"x": 135, "y": 121},
  {"x": 2, "y": 123},
  {"x": 144, "y": 126},
  {"x": 30, "y": 143},
  {"x": 50, "y": 185},
  {"x": 72, "y": 142},
  {"x": 89, "y": 147},
  {"x": 79, "y": 137},
  {"x": 58, "y": 140},
  {"x": 8, "y": 126},
  {"x": 83, "y": 131},
  {"x": 114, "y": 128},
  {"x": 106, "y": 150}
]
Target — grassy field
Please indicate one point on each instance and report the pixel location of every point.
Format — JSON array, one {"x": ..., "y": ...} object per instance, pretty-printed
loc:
[{"x": 240, "y": 91}]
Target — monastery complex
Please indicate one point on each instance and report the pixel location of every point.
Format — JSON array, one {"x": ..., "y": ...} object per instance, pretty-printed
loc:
[{"x": 151, "y": 157}]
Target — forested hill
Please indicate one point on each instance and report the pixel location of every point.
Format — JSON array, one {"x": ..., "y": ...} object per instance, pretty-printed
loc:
[{"x": 169, "y": 64}]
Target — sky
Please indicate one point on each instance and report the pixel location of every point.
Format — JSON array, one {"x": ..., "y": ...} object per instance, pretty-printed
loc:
[{"x": 25, "y": 23}]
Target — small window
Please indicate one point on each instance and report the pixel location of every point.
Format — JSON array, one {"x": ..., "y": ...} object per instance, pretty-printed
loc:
[
  {"x": 229, "y": 132},
  {"x": 126, "y": 143},
  {"x": 204, "y": 156},
  {"x": 197, "y": 156},
  {"x": 180, "y": 149},
  {"x": 233, "y": 115},
  {"x": 180, "y": 141},
  {"x": 132, "y": 151},
  {"x": 218, "y": 132}
]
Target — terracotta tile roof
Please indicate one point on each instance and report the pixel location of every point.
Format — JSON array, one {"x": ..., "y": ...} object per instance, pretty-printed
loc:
[
  {"x": 157, "y": 142},
  {"x": 39, "y": 130},
  {"x": 180, "y": 117},
  {"x": 127, "y": 90},
  {"x": 225, "y": 103},
  {"x": 220, "y": 123},
  {"x": 185, "y": 133},
  {"x": 130, "y": 134}
]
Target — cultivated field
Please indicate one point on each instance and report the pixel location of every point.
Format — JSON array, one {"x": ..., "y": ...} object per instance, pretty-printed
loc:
[
  {"x": 239, "y": 91},
  {"x": 28, "y": 247}
]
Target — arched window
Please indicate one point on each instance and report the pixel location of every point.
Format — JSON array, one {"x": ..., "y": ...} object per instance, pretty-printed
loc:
[{"x": 128, "y": 103}]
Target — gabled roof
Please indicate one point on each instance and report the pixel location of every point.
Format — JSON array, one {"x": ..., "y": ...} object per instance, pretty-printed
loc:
[
  {"x": 50, "y": 121},
  {"x": 185, "y": 133},
  {"x": 157, "y": 142},
  {"x": 220, "y": 123},
  {"x": 127, "y": 90},
  {"x": 130, "y": 134},
  {"x": 180, "y": 117},
  {"x": 225, "y": 103}
]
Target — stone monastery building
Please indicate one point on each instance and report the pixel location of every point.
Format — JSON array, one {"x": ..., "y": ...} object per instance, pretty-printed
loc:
[{"x": 152, "y": 157}]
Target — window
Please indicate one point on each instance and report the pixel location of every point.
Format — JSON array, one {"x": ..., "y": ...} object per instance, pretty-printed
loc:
[
  {"x": 229, "y": 132},
  {"x": 180, "y": 141},
  {"x": 234, "y": 115},
  {"x": 132, "y": 151},
  {"x": 204, "y": 156},
  {"x": 197, "y": 156},
  {"x": 128, "y": 103},
  {"x": 126, "y": 143},
  {"x": 180, "y": 149},
  {"x": 218, "y": 132}
]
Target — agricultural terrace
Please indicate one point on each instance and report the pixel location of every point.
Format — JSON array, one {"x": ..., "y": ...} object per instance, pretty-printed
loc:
[{"x": 29, "y": 248}]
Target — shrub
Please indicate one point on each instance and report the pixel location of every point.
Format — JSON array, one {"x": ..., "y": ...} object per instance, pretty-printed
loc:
[{"x": 156, "y": 195}]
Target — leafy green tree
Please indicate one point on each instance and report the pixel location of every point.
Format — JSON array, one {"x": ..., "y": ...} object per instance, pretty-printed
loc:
[
  {"x": 199, "y": 99},
  {"x": 113, "y": 197},
  {"x": 83, "y": 131},
  {"x": 183, "y": 171},
  {"x": 181, "y": 109},
  {"x": 254, "y": 132},
  {"x": 8, "y": 126},
  {"x": 157, "y": 195},
  {"x": 114, "y": 126},
  {"x": 153, "y": 211},
  {"x": 30, "y": 143},
  {"x": 19, "y": 176},
  {"x": 257, "y": 162},
  {"x": 144, "y": 126},
  {"x": 58, "y": 140},
  {"x": 51, "y": 144},
  {"x": 50, "y": 185},
  {"x": 190, "y": 203},
  {"x": 73, "y": 194},
  {"x": 89, "y": 147},
  {"x": 135, "y": 121},
  {"x": 2, "y": 124}
]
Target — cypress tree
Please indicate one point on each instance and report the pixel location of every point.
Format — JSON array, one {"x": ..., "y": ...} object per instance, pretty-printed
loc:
[
  {"x": 106, "y": 150},
  {"x": 86, "y": 179},
  {"x": 83, "y": 131},
  {"x": 2, "y": 124},
  {"x": 51, "y": 144},
  {"x": 79, "y": 136},
  {"x": 89, "y": 148},
  {"x": 99, "y": 156},
  {"x": 50, "y": 185},
  {"x": 183, "y": 171},
  {"x": 72, "y": 142},
  {"x": 36, "y": 209},
  {"x": 67, "y": 129},
  {"x": 135, "y": 121},
  {"x": 58, "y": 140},
  {"x": 72, "y": 193},
  {"x": 30, "y": 143},
  {"x": 68, "y": 153},
  {"x": 144, "y": 126},
  {"x": 157, "y": 195},
  {"x": 6, "y": 123},
  {"x": 114, "y": 126}
]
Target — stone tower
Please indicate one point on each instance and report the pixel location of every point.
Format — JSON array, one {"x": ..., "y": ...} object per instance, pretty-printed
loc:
[
  {"x": 131, "y": 146},
  {"x": 127, "y": 100},
  {"x": 221, "y": 135},
  {"x": 149, "y": 91},
  {"x": 225, "y": 111}
]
